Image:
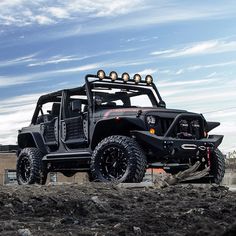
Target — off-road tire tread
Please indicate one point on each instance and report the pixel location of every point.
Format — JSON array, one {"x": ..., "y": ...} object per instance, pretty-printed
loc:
[
  {"x": 137, "y": 158},
  {"x": 218, "y": 166},
  {"x": 37, "y": 176}
]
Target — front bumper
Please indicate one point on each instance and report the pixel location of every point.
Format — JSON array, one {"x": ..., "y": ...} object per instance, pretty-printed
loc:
[{"x": 170, "y": 144}]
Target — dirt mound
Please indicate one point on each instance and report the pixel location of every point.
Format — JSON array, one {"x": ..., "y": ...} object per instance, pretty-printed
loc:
[{"x": 100, "y": 209}]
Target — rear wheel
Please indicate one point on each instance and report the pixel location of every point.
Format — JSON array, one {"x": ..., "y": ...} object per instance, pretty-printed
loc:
[
  {"x": 29, "y": 168},
  {"x": 118, "y": 158},
  {"x": 217, "y": 166}
]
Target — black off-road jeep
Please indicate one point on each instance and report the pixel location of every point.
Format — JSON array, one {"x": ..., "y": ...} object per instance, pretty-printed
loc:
[{"x": 114, "y": 128}]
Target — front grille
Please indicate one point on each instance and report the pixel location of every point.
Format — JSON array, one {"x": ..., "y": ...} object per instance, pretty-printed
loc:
[{"x": 163, "y": 125}]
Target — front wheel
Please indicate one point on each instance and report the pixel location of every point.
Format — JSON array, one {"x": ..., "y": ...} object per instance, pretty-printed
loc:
[
  {"x": 119, "y": 159},
  {"x": 29, "y": 168},
  {"x": 217, "y": 166}
]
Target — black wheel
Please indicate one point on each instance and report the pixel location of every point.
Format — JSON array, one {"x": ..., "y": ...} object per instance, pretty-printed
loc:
[
  {"x": 29, "y": 169},
  {"x": 118, "y": 158},
  {"x": 217, "y": 166}
]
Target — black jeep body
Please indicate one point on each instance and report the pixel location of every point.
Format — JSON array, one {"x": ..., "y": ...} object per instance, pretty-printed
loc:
[{"x": 114, "y": 128}]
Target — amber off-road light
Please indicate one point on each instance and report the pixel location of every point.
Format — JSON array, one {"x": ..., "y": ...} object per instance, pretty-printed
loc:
[
  {"x": 101, "y": 74},
  {"x": 113, "y": 75},
  {"x": 152, "y": 131},
  {"x": 149, "y": 79},
  {"x": 137, "y": 78},
  {"x": 125, "y": 77}
]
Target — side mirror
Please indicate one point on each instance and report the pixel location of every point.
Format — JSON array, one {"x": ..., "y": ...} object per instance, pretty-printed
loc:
[
  {"x": 76, "y": 106},
  {"x": 162, "y": 104}
]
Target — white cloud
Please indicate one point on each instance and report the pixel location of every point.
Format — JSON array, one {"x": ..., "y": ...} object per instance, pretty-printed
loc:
[
  {"x": 6, "y": 81},
  {"x": 147, "y": 72},
  {"x": 172, "y": 84},
  {"x": 23, "y": 12},
  {"x": 18, "y": 60},
  {"x": 55, "y": 60},
  {"x": 198, "y": 48},
  {"x": 16, "y": 113},
  {"x": 163, "y": 52},
  {"x": 79, "y": 68},
  {"x": 58, "y": 12},
  {"x": 68, "y": 58},
  {"x": 43, "y": 20},
  {"x": 214, "y": 65}
]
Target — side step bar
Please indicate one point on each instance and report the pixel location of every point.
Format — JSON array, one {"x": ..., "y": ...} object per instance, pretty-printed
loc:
[
  {"x": 168, "y": 166},
  {"x": 67, "y": 156}
]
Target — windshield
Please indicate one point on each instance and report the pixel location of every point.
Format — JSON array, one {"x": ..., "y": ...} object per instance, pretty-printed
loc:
[{"x": 113, "y": 96}]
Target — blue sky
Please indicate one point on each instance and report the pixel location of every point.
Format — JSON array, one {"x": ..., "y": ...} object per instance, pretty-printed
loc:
[{"x": 188, "y": 46}]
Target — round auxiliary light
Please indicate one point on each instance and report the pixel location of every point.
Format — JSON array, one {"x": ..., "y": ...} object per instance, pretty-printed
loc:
[
  {"x": 137, "y": 78},
  {"x": 125, "y": 77},
  {"x": 151, "y": 120},
  {"x": 101, "y": 74},
  {"x": 149, "y": 79},
  {"x": 113, "y": 75}
]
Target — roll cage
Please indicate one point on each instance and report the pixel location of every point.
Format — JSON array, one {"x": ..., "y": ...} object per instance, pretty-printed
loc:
[{"x": 92, "y": 81}]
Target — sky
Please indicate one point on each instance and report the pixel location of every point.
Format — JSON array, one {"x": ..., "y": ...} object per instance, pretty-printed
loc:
[{"x": 188, "y": 46}]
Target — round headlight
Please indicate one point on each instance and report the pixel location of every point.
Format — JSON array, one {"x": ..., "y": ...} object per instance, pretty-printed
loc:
[
  {"x": 113, "y": 75},
  {"x": 125, "y": 77},
  {"x": 183, "y": 125},
  {"x": 101, "y": 74},
  {"x": 151, "y": 120},
  {"x": 148, "y": 79},
  {"x": 137, "y": 78},
  {"x": 195, "y": 124}
]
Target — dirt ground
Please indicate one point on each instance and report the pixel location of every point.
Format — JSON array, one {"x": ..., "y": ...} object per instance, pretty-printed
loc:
[{"x": 101, "y": 209}]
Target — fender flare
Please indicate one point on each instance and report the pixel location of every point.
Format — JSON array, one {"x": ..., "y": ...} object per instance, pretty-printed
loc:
[
  {"x": 32, "y": 139},
  {"x": 115, "y": 123}
]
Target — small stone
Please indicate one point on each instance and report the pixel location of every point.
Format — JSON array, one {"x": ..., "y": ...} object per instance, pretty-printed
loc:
[
  {"x": 9, "y": 205},
  {"x": 95, "y": 199},
  {"x": 24, "y": 232},
  {"x": 137, "y": 230},
  {"x": 117, "y": 226},
  {"x": 69, "y": 220}
]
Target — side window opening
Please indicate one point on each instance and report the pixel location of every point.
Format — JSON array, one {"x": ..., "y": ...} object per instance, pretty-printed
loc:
[{"x": 48, "y": 112}]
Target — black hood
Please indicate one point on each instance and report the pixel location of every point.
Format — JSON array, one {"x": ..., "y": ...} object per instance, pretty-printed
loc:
[{"x": 124, "y": 112}]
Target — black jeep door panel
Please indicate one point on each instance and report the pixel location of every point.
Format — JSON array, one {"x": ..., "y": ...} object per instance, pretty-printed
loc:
[
  {"x": 49, "y": 131},
  {"x": 73, "y": 132}
]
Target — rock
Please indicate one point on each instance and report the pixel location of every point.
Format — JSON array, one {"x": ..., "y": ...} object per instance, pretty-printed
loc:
[
  {"x": 117, "y": 226},
  {"x": 9, "y": 205},
  {"x": 69, "y": 220},
  {"x": 24, "y": 232},
  {"x": 137, "y": 230}
]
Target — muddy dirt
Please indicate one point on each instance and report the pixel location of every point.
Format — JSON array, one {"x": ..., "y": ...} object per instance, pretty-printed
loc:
[{"x": 100, "y": 209}]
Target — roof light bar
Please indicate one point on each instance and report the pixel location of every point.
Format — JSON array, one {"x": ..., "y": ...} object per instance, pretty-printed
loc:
[
  {"x": 101, "y": 74},
  {"x": 113, "y": 75},
  {"x": 125, "y": 77},
  {"x": 137, "y": 78},
  {"x": 149, "y": 79}
]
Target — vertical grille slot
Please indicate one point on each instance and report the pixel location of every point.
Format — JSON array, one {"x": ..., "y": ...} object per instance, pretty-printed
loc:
[{"x": 163, "y": 125}]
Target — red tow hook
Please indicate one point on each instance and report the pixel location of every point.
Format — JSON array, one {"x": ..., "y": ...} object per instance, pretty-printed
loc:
[{"x": 208, "y": 156}]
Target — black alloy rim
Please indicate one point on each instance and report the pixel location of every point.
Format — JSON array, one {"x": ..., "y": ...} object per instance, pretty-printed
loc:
[
  {"x": 113, "y": 163},
  {"x": 25, "y": 169}
]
